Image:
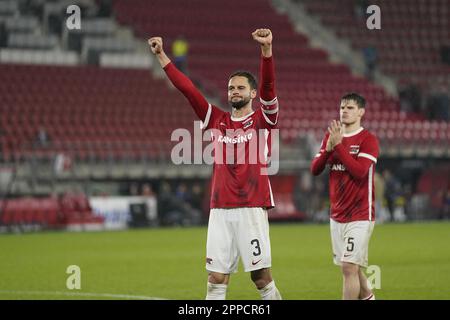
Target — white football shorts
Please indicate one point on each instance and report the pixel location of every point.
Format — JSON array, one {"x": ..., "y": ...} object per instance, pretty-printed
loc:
[
  {"x": 350, "y": 241},
  {"x": 234, "y": 233}
]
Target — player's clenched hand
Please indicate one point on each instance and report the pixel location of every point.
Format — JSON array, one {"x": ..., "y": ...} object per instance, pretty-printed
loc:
[
  {"x": 156, "y": 45},
  {"x": 263, "y": 36}
]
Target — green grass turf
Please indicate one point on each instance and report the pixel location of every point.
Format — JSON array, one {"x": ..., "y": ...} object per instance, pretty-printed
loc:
[{"x": 169, "y": 263}]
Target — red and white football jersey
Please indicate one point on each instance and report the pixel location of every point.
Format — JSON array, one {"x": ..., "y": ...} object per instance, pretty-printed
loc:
[
  {"x": 351, "y": 169},
  {"x": 242, "y": 146}
]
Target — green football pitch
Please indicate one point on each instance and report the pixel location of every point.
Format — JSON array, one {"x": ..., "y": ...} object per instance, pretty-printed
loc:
[{"x": 169, "y": 263}]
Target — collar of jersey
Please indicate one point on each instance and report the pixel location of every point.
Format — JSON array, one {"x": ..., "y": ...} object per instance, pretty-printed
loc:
[
  {"x": 354, "y": 133},
  {"x": 242, "y": 118}
]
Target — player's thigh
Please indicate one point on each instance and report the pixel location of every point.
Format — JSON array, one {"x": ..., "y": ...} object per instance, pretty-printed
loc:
[
  {"x": 337, "y": 241},
  {"x": 222, "y": 253},
  {"x": 254, "y": 239},
  {"x": 356, "y": 242}
]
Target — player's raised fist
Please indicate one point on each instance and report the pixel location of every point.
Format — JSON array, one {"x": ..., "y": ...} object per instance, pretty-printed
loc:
[
  {"x": 263, "y": 36},
  {"x": 156, "y": 45}
]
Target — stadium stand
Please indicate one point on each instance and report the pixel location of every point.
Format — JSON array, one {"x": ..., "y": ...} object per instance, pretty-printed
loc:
[
  {"x": 70, "y": 103},
  {"x": 308, "y": 84},
  {"x": 409, "y": 42},
  {"x": 83, "y": 90},
  {"x": 88, "y": 112}
]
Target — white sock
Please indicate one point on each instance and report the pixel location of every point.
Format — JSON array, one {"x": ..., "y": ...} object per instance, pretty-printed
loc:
[
  {"x": 216, "y": 291},
  {"x": 370, "y": 297},
  {"x": 270, "y": 292}
]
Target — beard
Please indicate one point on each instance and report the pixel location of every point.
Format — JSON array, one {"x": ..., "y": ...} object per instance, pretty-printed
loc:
[{"x": 239, "y": 104}]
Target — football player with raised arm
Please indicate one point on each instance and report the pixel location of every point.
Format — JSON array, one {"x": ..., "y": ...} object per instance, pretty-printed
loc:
[{"x": 241, "y": 193}]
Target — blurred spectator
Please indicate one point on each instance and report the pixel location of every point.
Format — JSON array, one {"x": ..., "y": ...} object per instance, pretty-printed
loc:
[
  {"x": 311, "y": 197},
  {"x": 370, "y": 58},
  {"x": 104, "y": 8},
  {"x": 32, "y": 7},
  {"x": 438, "y": 103},
  {"x": 170, "y": 209},
  {"x": 407, "y": 201},
  {"x": 392, "y": 191},
  {"x": 182, "y": 192},
  {"x": 133, "y": 189},
  {"x": 410, "y": 96},
  {"x": 191, "y": 215},
  {"x": 42, "y": 138},
  {"x": 445, "y": 54},
  {"x": 309, "y": 143},
  {"x": 150, "y": 202},
  {"x": 197, "y": 197},
  {"x": 437, "y": 203},
  {"x": 3, "y": 35},
  {"x": 86, "y": 7},
  {"x": 62, "y": 163},
  {"x": 399, "y": 208},
  {"x": 380, "y": 210},
  {"x": 359, "y": 8},
  {"x": 446, "y": 207},
  {"x": 303, "y": 193},
  {"x": 322, "y": 202},
  {"x": 180, "y": 48}
]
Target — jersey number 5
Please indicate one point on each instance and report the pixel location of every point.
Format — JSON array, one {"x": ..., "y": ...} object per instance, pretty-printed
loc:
[{"x": 350, "y": 245}]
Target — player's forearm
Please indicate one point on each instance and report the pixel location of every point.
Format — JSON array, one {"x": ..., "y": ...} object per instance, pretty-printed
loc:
[
  {"x": 267, "y": 84},
  {"x": 187, "y": 88},
  {"x": 318, "y": 164},
  {"x": 266, "y": 50},
  {"x": 358, "y": 169},
  {"x": 163, "y": 59}
]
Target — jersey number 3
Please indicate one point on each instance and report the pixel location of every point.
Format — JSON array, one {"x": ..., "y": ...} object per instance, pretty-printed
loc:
[{"x": 255, "y": 242}]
